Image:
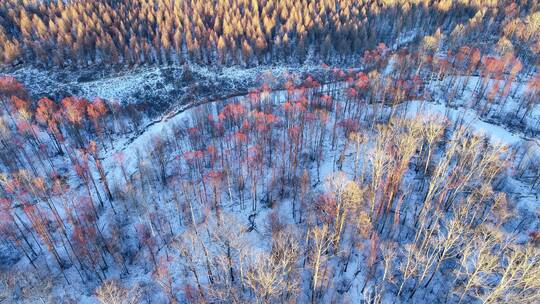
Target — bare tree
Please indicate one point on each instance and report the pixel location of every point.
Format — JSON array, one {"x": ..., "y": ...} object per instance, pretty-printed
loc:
[
  {"x": 322, "y": 240},
  {"x": 274, "y": 276},
  {"x": 112, "y": 292}
]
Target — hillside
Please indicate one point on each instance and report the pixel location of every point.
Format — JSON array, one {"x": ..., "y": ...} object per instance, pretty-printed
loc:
[{"x": 180, "y": 152}]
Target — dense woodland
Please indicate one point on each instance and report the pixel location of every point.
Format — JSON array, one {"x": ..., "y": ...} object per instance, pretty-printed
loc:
[
  {"x": 79, "y": 33},
  {"x": 407, "y": 171},
  {"x": 315, "y": 193}
]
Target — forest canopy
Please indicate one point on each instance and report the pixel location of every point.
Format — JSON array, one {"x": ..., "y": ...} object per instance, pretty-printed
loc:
[{"x": 106, "y": 32}]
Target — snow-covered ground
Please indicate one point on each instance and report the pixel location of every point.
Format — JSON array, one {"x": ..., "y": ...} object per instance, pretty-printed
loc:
[
  {"x": 525, "y": 199},
  {"x": 150, "y": 82},
  {"x": 120, "y": 87}
]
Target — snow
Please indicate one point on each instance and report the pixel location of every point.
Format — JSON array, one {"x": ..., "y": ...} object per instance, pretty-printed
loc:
[
  {"x": 496, "y": 134},
  {"x": 121, "y": 86},
  {"x": 148, "y": 82},
  {"x": 470, "y": 118}
]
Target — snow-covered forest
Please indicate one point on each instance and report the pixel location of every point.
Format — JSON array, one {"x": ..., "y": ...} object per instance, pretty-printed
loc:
[
  {"x": 83, "y": 33},
  {"x": 182, "y": 152}
]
